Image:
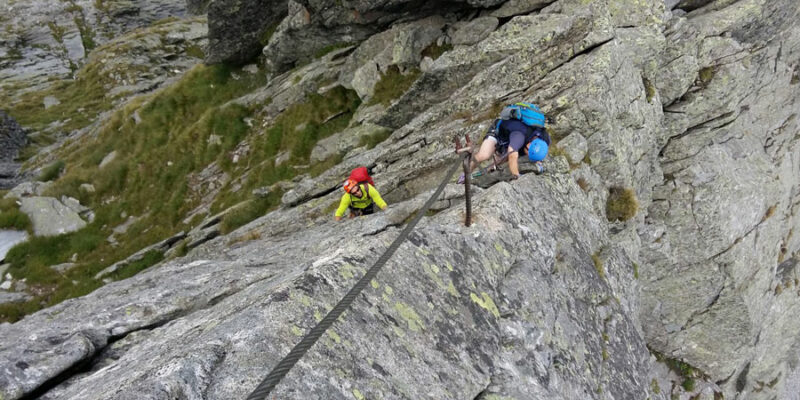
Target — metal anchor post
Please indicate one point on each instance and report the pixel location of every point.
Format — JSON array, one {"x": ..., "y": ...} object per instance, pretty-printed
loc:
[{"x": 466, "y": 159}]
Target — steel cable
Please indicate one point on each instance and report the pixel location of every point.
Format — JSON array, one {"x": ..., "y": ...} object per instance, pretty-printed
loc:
[{"x": 282, "y": 368}]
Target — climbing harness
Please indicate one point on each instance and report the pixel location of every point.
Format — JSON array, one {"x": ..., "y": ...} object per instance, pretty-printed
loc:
[{"x": 282, "y": 368}]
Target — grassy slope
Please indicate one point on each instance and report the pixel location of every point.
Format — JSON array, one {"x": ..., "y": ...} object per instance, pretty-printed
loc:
[
  {"x": 149, "y": 176},
  {"x": 161, "y": 141}
]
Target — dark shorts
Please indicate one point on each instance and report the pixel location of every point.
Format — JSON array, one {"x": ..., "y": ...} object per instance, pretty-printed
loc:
[
  {"x": 516, "y": 140},
  {"x": 357, "y": 212}
]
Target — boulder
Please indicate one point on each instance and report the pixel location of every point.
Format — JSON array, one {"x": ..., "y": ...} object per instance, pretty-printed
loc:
[
  {"x": 9, "y": 239},
  {"x": 13, "y": 297},
  {"x": 50, "y": 217},
  {"x": 28, "y": 189},
  {"x": 108, "y": 159}
]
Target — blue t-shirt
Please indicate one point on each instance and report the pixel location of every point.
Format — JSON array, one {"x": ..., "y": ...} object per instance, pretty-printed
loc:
[{"x": 515, "y": 134}]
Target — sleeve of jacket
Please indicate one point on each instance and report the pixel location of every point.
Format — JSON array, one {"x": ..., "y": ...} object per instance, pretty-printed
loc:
[
  {"x": 376, "y": 197},
  {"x": 343, "y": 204}
]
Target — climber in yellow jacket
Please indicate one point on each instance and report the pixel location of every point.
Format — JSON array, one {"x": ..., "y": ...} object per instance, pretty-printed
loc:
[{"x": 360, "y": 198}]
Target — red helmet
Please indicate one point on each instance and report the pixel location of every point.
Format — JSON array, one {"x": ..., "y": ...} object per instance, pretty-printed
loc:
[{"x": 349, "y": 185}]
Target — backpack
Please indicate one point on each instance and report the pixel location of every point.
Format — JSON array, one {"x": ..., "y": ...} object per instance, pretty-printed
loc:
[
  {"x": 361, "y": 175},
  {"x": 530, "y": 114}
]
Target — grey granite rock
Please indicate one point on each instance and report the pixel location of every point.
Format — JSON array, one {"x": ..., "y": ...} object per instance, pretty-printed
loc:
[
  {"x": 50, "y": 217},
  {"x": 518, "y": 7},
  {"x": 28, "y": 189},
  {"x": 575, "y": 147},
  {"x": 346, "y": 140},
  {"x": 476, "y": 290},
  {"x": 474, "y": 31},
  {"x": 237, "y": 28},
  {"x": 13, "y": 297},
  {"x": 694, "y": 112},
  {"x": 9, "y": 239}
]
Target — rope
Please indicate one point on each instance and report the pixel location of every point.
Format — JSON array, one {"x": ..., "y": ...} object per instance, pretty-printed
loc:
[{"x": 300, "y": 349}]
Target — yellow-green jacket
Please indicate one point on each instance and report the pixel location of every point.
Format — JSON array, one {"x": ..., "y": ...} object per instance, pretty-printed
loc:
[{"x": 367, "y": 197}]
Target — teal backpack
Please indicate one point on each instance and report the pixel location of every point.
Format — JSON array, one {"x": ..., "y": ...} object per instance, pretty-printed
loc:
[{"x": 530, "y": 114}]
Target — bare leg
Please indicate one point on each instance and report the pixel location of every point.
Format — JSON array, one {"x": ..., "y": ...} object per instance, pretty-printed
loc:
[
  {"x": 484, "y": 153},
  {"x": 513, "y": 158}
]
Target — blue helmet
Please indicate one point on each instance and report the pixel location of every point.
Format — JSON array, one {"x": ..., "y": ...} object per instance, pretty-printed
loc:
[{"x": 537, "y": 150}]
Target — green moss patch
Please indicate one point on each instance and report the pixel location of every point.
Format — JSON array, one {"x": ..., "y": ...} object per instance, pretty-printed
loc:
[
  {"x": 329, "y": 48},
  {"x": 51, "y": 171},
  {"x": 706, "y": 74},
  {"x": 649, "y": 89},
  {"x": 621, "y": 204},
  {"x": 598, "y": 265},
  {"x": 267, "y": 34},
  {"x": 150, "y": 258},
  {"x": 393, "y": 84},
  {"x": 435, "y": 51},
  {"x": 195, "y": 51},
  {"x": 688, "y": 373},
  {"x": 11, "y": 217},
  {"x": 248, "y": 212},
  {"x": 373, "y": 140},
  {"x": 15, "y": 220}
]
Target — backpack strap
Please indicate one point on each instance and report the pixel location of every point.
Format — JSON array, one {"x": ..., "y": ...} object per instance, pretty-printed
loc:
[{"x": 365, "y": 188}]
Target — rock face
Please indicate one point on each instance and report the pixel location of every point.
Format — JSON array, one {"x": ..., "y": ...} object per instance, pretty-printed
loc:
[
  {"x": 12, "y": 140},
  {"x": 711, "y": 262},
  {"x": 689, "y": 107},
  {"x": 487, "y": 300},
  {"x": 237, "y": 29},
  {"x": 197, "y": 7},
  {"x": 44, "y": 39}
]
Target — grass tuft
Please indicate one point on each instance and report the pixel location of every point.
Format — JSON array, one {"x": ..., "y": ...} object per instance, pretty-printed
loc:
[
  {"x": 598, "y": 265},
  {"x": 150, "y": 258},
  {"x": 649, "y": 89},
  {"x": 393, "y": 84},
  {"x": 583, "y": 184},
  {"x": 373, "y": 140},
  {"x": 248, "y": 212},
  {"x": 706, "y": 74},
  {"x": 16, "y": 220},
  {"x": 196, "y": 52},
  {"x": 621, "y": 204},
  {"x": 52, "y": 171},
  {"x": 435, "y": 51}
]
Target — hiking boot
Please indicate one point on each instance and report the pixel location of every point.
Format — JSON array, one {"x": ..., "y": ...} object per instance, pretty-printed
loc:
[{"x": 538, "y": 168}]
